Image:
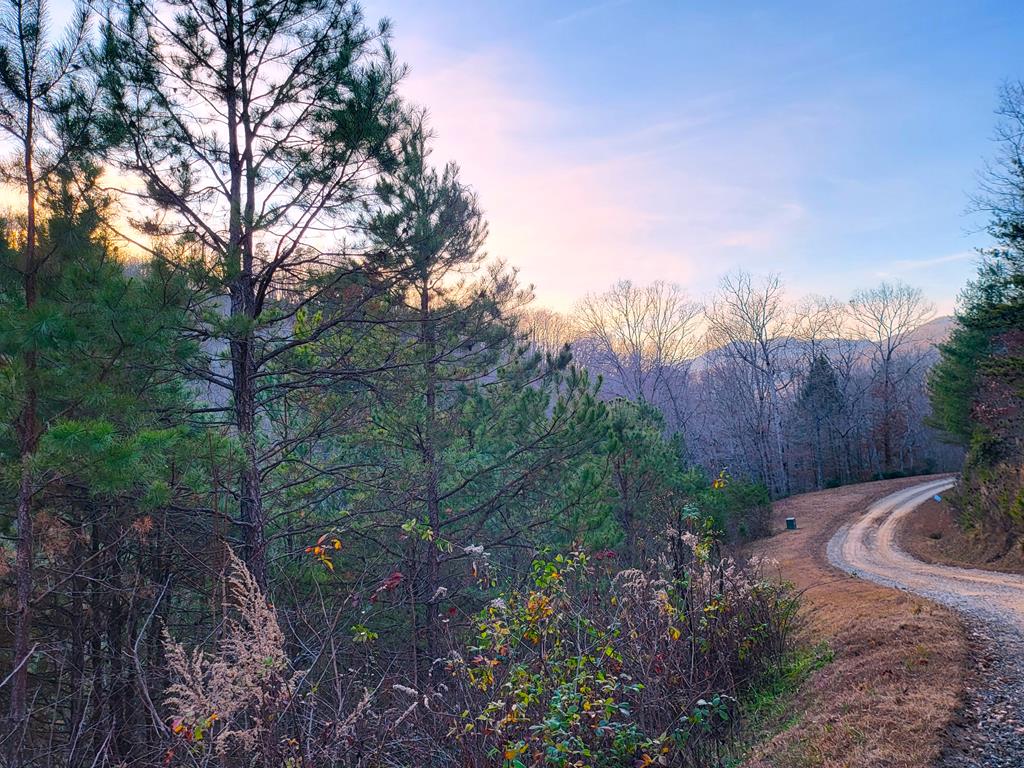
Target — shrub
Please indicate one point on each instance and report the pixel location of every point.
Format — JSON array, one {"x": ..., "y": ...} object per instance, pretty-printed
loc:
[
  {"x": 585, "y": 666},
  {"x": 581, "y": 665},
  {"x": 739, "y": 509},
  {"x": 233, "y": 700},
  {"x": 246, "y": 705}
]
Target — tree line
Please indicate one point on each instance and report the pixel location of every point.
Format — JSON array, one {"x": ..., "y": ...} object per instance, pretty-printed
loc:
[{"x": 795, "y": 395}]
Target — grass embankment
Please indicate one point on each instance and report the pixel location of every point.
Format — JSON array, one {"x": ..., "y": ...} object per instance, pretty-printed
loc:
[
  {"x": 898, "y": 667},
  {"x": 931, "y": 533}
]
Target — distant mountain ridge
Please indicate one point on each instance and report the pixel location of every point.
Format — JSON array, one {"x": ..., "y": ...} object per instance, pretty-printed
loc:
[{"x": 935, "y": 331}]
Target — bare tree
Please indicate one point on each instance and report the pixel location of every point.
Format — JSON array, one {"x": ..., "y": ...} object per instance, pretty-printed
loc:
[
  {"x": 548, "y": 330},
  {"x": 644, "y": 338},
  {"x": 750, "y": 326},
  {"x": 1001, "y": 187},
  {"x": 885, "y": 318}
]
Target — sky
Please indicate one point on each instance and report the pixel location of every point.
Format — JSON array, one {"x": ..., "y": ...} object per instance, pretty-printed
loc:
[{"x": 835, "y": 143}]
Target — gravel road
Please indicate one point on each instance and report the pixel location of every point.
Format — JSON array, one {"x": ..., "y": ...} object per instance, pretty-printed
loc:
[{"x": 991, "y": 731}]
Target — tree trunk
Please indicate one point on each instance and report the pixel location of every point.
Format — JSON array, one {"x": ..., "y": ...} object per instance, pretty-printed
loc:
[
  {"x": 28, "y": 441},
  {"x": 239, "y": 259},
  {"x": 626, "y": 516},
  {"x": 819, "y": 459},
  {"x": 433, "y": 503},
  {"x": 251, "y": 513},
  {"x": 887, "y": 462}
]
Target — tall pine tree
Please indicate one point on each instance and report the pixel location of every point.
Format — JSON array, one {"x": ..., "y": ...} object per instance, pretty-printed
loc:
[
  {"x": 255, "y": 128},
  {"x": 977, "y": 387},
  {"x": 38, "y": 79}
]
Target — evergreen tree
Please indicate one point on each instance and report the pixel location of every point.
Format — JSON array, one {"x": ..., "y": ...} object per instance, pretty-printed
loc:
[
  {"x": 977, "y": 387},
  {"x": 469, "y": 434},
  {"x": 645, "y": 471},
  {"x": 38, "y": 79},
  {"x": 821, "y": 400},
  {"x": 648, "y": 494},
  {"x": 255, "y": 128},
  {"x": 110, "y": 464}
]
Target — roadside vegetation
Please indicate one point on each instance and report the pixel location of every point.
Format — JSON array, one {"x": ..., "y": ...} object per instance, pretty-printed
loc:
[
  {"x": 935, "y": 533},
  {"x": 582, "y": 664}
]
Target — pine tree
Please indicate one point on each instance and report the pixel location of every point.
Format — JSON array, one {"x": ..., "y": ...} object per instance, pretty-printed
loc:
[
  {"x": 38, "y": 79},
  {"x": 106, "y": 467},
  {"x": 646, "y": 473},
  {"x": 470, "y": 433},
  {"x": 255, "y": 128},
  {"x": 821, "y": 400},
  {"x": 977, "y": 387}
]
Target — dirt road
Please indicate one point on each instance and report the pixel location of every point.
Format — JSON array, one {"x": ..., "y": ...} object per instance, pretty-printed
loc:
[{"x": 991, "y": 731}]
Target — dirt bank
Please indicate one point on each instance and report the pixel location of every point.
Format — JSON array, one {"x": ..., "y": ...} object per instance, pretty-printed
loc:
[
  {"x": 930, "y": 533},
  {"x": 898, "y": 676}
]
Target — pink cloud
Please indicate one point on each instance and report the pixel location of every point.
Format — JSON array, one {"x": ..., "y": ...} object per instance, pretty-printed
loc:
[{"x": 576, "y": 214}]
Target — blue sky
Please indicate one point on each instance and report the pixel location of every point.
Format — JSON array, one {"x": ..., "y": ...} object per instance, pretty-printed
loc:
[{"x": 835, "y": 143}]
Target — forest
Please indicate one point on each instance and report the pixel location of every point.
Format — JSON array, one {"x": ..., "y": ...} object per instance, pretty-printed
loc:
[{"x": 294, "y": 473}]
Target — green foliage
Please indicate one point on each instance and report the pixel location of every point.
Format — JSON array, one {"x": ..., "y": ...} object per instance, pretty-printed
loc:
[
  {"x": 106, "y": 346},
  {"x": 375, "y": 428},
  {"x": 740, "y": 509},
  {"x": 647, "y": 489},
  {"x": 643, "y": 481},
  {"x": 767, "y": 703},
  {"x": 820, "y": 394},
  {"x": 565, "y": 676},
  {"x": 953, "y": 382}
]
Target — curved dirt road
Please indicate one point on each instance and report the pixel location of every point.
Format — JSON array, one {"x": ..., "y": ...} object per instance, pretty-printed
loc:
[
  {"x": 867, "y": 548},
  {"x": 991, "y": 733}
]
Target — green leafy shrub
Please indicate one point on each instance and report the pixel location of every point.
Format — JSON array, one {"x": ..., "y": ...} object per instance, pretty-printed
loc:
[{"x": 588, "y": 666}]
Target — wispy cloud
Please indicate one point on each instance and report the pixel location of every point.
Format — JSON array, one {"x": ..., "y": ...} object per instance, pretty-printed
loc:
[
  {"x": 576, "y": 207},
  {"x": 589, "y": 10},
  {"x": 657, "y": 141},
  {"x": 904, "y": 266}
]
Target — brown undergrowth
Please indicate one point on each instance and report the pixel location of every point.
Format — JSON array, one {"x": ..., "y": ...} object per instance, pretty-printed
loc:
[
  {"x": 898, "y": 672},
  {"x": 931, "y": 533}
]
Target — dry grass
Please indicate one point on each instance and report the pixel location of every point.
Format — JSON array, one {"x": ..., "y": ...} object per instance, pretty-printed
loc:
[
  {"x": 930, "y": 533},
  {"x": 899, "y": 668}
]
